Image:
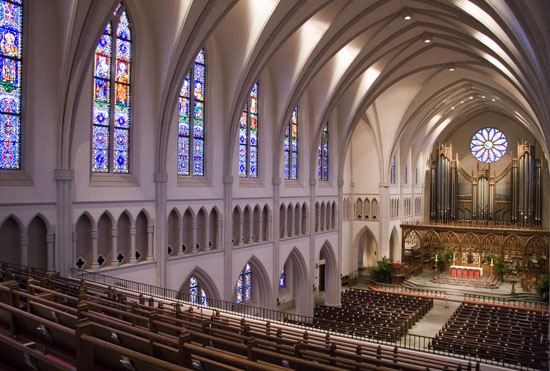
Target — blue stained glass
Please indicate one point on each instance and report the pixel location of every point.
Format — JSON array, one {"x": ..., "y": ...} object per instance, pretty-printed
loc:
[
  {"x": 240, "y": 289},
  {"x": 9, "y": 74},
  {"x": 100, "y": 159},
  {"x": 287, "y": 170},
  {"x": 253, "y": 130},
  {"x": 204, "y": 301},
  {"x": 121, "y": 162},
  {"x": 117, "y": 9},
  {"x": 287, "y": 139},
  {"x": 122, "y": 72},
  {"x": 11, "y": 16},
  {"x": 294, "y": 169},
  {"x": 198, "y": 157},
  {"x": 185, "y": 87},
  {"x": 242, "y": 160},
  {"x": 184, "y": 108},
  {"x": 101, "y": 90},
  {"x": 102, "y": 66},
  {"x": 10, "y": 44},
  {"x": 123, "y": 50},
  {"x": 9, "y": 102},
  {"x": 488, "y": 145},
  {"x": 122, "y": 116},
  {"x": 199, "y": 112},
  {"x": 247, "y": 283},
  {"x": 199, "y": 94},
  {"x": 184, "y": 128},
  {"x": 121, "y": 139},
  {"x": 104, "y": 46},
  {"x": 123, "y": 29},
  {"x": 282, "y": 282},
  {"x": 393, "y": 170},
  {"x": 242, "y": 129},
  {"x": 9, "y": 154},
  {"x": 200, "y": 57},
  {"x": 253, "y": 162},
  {"x": 183, "y": 156},
  {"x": 100, "y": 137}
]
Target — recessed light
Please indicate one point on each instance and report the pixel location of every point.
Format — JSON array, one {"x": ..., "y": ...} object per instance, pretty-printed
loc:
[
  {"x": 427, "y": 37},
  {"x": 453, "y": 107},
  {"x": 471, "y": 97},
  {"x": 407, "y": 14},
  {"x": 483, "y": 96},
  {"x": 492, "y": 99},
  {"x": 451, "y": 66},
  {"x": 461, "y": 101}
]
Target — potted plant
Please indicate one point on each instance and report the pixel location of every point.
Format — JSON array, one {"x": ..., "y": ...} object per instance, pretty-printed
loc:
[
  {"x": 543, "y": 286},
  {"x": 382, "y": 271}
]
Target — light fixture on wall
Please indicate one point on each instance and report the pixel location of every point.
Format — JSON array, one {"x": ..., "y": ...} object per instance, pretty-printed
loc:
[
  {"x": 427, "y": 37},
  {"x": 407, "y": 14}
]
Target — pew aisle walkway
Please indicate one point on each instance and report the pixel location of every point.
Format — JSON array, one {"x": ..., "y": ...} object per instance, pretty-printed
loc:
[{"x": 434, "y": 320}]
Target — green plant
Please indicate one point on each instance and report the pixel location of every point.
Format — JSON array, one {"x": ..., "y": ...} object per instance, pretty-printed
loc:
[
  {"x": 490, "y": 256},
  {"x": 500, "y": 268},
  {"x": 543, "y": 286},
  {"x": 383, "y": 270},
  {"x": 443, "y": 259}
]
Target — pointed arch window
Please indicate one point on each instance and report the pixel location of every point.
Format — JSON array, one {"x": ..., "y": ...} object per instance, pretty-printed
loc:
[
  {"x": 11, "y": 47},
  {"x": 111, "y": 96},
  {"x": 191, "y": 139},
  {"x": 322, "y": 155},
  {"x": 393, "y": 170},
  {"x": 291, "y": 147},
  {"x": 198, "y": 296},
  {"x": 248, "y": 136},
  {"x": 244, "y": 285},
  {"x": 282, "y": 280}
]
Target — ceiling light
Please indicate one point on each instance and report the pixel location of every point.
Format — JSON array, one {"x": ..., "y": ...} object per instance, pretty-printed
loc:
[
  {"x": 407, "y": 14},
  {"x": 427, "y": 37},
  {"x": 453, "y": 107},
  {"x": 451, "y": 66},
  {"x": 461, "y": 101},
  {"x": 492, "y": 99},
  {"x": 483, "y": 96},
  {"x": 471, "y": 97}
]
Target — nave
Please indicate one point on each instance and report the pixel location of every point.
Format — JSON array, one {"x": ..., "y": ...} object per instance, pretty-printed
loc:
[{"x": 101, "y": 322}]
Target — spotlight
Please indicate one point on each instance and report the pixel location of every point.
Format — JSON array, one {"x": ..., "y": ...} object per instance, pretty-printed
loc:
[
  {"x": 492, "y": 99},
  {"x": 453, "y": 107},
  {"x": 407, "y": 14},
  {"x": 427, "y": 37},
  {"x": 450, "y": 66}
]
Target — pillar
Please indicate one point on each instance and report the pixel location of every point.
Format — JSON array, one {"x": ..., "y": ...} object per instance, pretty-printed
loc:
[
  {"x": 194, "y": 249},
  {"x": 95, "y": 264},
  {"x": 50, "y": 241},
  {"x": 133, "y": 259},
  {"x": 64, "y": 222},
  {"x": 207, "y": 234},
  {"x": 261, "y": 235},
  {"x": 179, "y": 248},
  {"x": 219, "y": 231},
  {"x": 160, "y": 227},
  {"x": 150, "y": 250},
  {"x": 24, "y": 250},
  {"x": 114, "y": 247}
]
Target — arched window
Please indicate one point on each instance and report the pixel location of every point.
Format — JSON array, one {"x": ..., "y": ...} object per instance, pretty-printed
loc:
[
  {"x": 248, "y": 137},
  {"x": 197, "y": 294},
  {"x": 282, "y": 280},
  {"x": 191, "y": 126},
  {"x": 11, "y": 47},
  {"x": 244, "y": 285},
  {"x": 322, "y": 154},
  {"x": 393, "y": 170},
  {"x": 111, "y": 96},
  {"x": 291, "y": 147}
]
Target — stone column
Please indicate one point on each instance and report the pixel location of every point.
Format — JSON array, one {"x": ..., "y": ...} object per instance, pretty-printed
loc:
[
  {"x": 228, "y": 233},
  {"x": 283, "y": 232},
  {"x": 251, "y": 227},
  {"x": 179, "y": 248},
  {"x": 150, "y": 248},
  {"x": 261, "y": 235},
  {"x": 219, "y": 231},
  {"x": 64, "y": 222},
  {"x": 383, "y": 219},
  {"x": 160, "y": 227},
  {"x": 273, "y": 222},
  {"x": 241, "y": 228},
  {"x": 50, "y": 239},
  {"x": 133, "y": 259},
  {"x": 114, "y": 247},
  {"x": 24, "y": 250},
  {"x": 194, "y": 249},
  {"x": 298, "y": 221},
  {"x": 270, "y": 227},
  {"x": 207, "y": 234},
  {"x": 95, "y": 264}
]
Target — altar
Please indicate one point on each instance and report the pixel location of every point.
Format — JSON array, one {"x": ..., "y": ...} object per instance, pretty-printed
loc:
[{"x": 460, "y": 271}]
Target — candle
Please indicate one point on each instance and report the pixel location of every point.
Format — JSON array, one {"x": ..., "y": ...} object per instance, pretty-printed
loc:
[{"x": 436, "y": 258}]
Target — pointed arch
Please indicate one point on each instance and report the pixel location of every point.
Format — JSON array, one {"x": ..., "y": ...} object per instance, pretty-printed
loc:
[
  {"x": 359, "y": 208},
  {"x": 395, "y": 246},
  {"x": 192, "y": 123},
  {"x": 124, "y": 224},
  {"x": 237, "y": 225},
  {"x": 305, "y": 218},
  {"x": 202, "y": 226},
  {"x": 82, "y": 256},
  {"x": 322, "y": 217},
  {"x": 174, "y": 232},
  {"x": 256, "y": 223},
  {"x": 300, "y": 282},
  {"x": 317, "y": 216},
  {"x": 111, "y": 110},
  {"x": 142, "y": 240},
  {"x": 11, "y": 231},
  {"x": 290, "y": 220},
  {"x": 266, "y": 225},
  {"x": 205, "y": 281},
  {"x": 297, "y": 219},
  {"x": 248, "y": 136},
  {"x": 367, "y": 248},
  {"x": 247, "y": 225},
  {"x": 105, "y": 225},
  {"x": 334, "y": 215},
  {"x": 215, "y": 228},
  {"x": 262, "y": 295},
  {"x": 332, "y": 287},
  {"x": 282, "y": 220},
  {"x": 189, "y": 221}
]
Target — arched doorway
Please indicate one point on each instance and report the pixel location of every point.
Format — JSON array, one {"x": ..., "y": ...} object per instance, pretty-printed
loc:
[
  {"x": 327, "y": 276},
  {"x": 295, "y": 297},
  {"x": 367, "y": 250},
  {"x": 395, "y": 247}
]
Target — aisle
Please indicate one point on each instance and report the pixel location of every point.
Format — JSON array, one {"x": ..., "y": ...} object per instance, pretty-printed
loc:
[{"x": 434, "y": 320}]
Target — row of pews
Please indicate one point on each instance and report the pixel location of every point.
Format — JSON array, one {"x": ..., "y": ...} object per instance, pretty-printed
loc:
[
  {"x": 375, "y": 314},
  {"x": 513, "y": 335},
  {"x": 53, "y": 323}
]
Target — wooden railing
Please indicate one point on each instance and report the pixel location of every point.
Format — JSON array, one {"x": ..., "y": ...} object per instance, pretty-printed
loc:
[
  {"x": 411, "y": 290},
  {"x": 507, "y": 301}
]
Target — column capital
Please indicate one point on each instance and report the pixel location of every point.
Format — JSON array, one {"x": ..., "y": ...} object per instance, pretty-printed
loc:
[
  {"x": 160, "y": 177},
  {"x": 64, "y": 174}
]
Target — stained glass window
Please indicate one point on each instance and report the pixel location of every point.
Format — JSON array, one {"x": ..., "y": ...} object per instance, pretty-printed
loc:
[
  {"x": 322, "y": 155},
  {"x": 291, "y": 147},
  {"x": 282, "y": 280},
  {"x": 393, "y": 170},
  {"x": 111, "y": 96},
  {"x": 488, "y": 145},
  {"x": 248, "y": 137},
  {"x": 11, "y": 46},
  {"x": 244, "y": 285},
  {"x": 191, "y": 137},
  {"x": 197, "y": 294}
]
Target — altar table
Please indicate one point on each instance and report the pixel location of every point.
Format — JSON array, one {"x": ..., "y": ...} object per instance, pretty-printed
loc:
[{"x": 466, "y": 272}]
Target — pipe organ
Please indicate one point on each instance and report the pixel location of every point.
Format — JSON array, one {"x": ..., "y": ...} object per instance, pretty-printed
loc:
[{"x": 511, "y": 197}]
